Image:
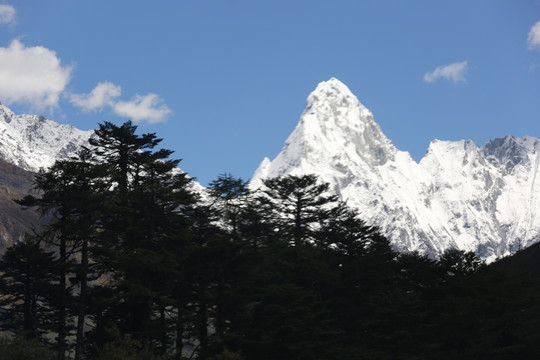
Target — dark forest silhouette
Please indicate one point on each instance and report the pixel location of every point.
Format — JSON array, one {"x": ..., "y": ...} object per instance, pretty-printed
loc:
[{"x": 133, "y": 264}]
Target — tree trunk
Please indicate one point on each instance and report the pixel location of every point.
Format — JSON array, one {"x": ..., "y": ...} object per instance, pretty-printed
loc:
[
  {"x": 82, "y": 301},
  {"x": 203, "y": 325},
  {"x": 62, "y": 301},
  {"x": 179, "y": 333}
]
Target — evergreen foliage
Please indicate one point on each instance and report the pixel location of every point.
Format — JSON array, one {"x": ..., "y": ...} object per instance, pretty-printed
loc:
[
  {"x": 27, "y": 275},
  {"x": 132, "y": 265},
  {"x": 295, "y": 203},
  {"x": 67, "y": 196},
  {"x": 19, "y": 348}
]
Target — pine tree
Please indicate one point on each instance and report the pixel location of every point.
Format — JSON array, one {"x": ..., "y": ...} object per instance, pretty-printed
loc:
[
  {"x": 296, "y": 202},
  {"x": 122, "y": 149},
  {"x": 229, "y": 195},
  {"x": 90, "y": 190},
  {"x": 66, "y": 198},
  {"x": 202, "y": 268},
  {"x": 225, "y": 253},
  {"x": 460, "y": 263},
  {"x": 342, "y": 231},
  {"x": 27, "y": 274},
  {"x": 144, "y": 215},
  {"x": 281, "y": 305}
]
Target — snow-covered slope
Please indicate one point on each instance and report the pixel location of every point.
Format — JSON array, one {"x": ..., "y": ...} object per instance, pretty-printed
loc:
[
  {"x": 484, "y": 199},
  {"x": 33, "y": 142}
]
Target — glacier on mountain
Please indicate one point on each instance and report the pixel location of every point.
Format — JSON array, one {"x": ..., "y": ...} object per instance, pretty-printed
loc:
[
  {"x": 483, "y": 199},
  {"x": 33, "y": 142}
]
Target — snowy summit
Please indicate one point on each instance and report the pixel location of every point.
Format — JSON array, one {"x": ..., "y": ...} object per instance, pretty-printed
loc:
[
  {"x": 483, "y": 199},
  {"x": 33, "y": 142}
]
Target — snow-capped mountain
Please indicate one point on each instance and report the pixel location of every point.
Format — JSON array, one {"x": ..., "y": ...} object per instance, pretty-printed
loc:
[
  {"x": 33, "y": 142},
  {"x": 485, "y": 199},
  {"x": 27, "y": 144}
]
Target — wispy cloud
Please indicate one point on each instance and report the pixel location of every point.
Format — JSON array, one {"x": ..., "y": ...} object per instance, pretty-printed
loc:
[
  {"x": 7, "y": 14},
  {"x": 454, "y": 72},
  {"x": 35, "y": 77},
  {"x": 150, "y": 108},
  {"x": 102, "y": 95},
  {"x": 31, "y": 75},
  {"x": 534, "y": 36}
]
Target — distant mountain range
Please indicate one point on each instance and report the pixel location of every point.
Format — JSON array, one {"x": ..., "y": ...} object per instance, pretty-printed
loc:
[
  {"x": 484, "y": 199},
  {"x": 28, "y": 143},
  {"x": 33, "y": 142}
]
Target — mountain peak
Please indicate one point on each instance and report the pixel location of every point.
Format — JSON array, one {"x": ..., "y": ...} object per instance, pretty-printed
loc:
[
  {"x": 335, "y": 128},
  {"x": 332, "y": 87},
  {"x": 483, "y": 199},
  {"x": 333, "y": 95},
  {"x": 33, "y": 142},
  {"x": 336, "y": 111},
  {"x": 5, "y": 113},
  {"x": 510, "y": 151}
]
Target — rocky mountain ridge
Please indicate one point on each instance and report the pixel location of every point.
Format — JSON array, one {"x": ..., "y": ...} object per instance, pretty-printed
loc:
[
  {"x": 33, "y": 142},
  {"x": 15, "y": 221},
  {"x": 483, "y": 199},
  {"x": 27, "y": 144},
  {"x": 479, "y": 198}
]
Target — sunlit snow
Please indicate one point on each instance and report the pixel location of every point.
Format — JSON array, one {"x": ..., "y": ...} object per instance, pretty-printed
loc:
[{"x": 483, "y": 199}]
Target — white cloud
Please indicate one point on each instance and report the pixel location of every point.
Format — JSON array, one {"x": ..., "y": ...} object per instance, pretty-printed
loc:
[
  {"x": 534, "y": 36},
  {"x": 31, "y": 75},
  {"x": 34, "y": 76},
  {"x": 7, "y": 15},
  {"x": 103, "y": 94},
  {"x": 150, "y": 108},
  {"x": 454, "y": 72}
]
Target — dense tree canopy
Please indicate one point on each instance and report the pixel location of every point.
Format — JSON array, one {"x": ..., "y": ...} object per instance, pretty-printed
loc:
[{"x": 133, "y": 265}]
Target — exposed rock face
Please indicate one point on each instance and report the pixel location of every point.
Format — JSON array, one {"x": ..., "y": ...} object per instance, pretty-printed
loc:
[
  {"x": 484, "y": 199},
  {"x": 27, "y": 144},
  {"x": 33, "y": 142},
  {"x": 15, "y": 183}
]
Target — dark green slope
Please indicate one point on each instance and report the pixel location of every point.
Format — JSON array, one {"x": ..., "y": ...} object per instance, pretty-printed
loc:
[
  {"x": 494, "y": 314},
  {"x": 526, "y": 261}
]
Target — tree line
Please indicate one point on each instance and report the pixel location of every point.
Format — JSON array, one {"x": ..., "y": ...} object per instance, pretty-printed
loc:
[{"x": 133, "y": 263}]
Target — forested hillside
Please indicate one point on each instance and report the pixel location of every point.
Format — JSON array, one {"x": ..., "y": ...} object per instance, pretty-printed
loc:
[{"x": 134, "y": 265}]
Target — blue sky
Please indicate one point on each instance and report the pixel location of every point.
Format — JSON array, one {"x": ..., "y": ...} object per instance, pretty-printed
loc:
[{"x": 224, "y": 82}]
